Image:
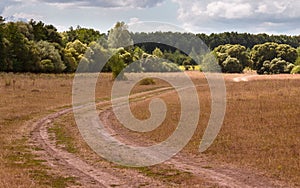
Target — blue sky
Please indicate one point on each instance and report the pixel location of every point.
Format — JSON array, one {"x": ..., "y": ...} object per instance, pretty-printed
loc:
[{"x": 197, "y": 16}]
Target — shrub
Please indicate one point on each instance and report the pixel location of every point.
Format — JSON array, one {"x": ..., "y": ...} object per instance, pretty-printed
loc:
[
  {"x": 147, "y": 81},
  {"x": 235, "y": 51},
  {"x": 117, "y": 66},
  {"x": 134, "y": 67},
  {"x": 296, "y": 70},
  {"x": 232, "y": 65},
  {"x": 154, "y": 64},
  {"x": 210, "y": 64},
  {"x": 270, "y": 51},
  {"x": 276, "y": 66}
]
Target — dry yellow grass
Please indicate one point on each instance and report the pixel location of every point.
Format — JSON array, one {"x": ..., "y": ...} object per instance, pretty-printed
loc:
[
  {"x": 260, "y": 131},
  {"x": 25, "y": 97},
  {"x": 261, "y": 127}
]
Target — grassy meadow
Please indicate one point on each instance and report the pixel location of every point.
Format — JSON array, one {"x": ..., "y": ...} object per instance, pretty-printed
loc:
[{"x": 261, "y": 127}]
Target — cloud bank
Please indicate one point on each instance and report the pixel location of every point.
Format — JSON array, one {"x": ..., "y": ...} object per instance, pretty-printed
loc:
[
  {"x": 106, "y": 3},
  {"x": 240, "y": 15}
]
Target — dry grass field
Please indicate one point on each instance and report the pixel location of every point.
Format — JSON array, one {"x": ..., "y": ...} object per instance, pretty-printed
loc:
[
  {"x": 260, "y": 131},
  {"x": 24, "y": 99}
]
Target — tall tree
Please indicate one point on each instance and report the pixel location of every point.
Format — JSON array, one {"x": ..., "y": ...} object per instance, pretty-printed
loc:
[
  {"x": 50, "y": 59},
  {"x": 2, "y": 49},
  {"x": 119, "y": 36},
  {"x": 84, "y": 35},
  {"x": 18, "y": 49}
]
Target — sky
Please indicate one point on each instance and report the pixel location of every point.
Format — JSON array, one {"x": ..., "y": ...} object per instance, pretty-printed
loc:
[{"x": 197, "y": 16}]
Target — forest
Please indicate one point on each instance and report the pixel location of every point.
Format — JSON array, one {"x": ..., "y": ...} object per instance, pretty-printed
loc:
[{"x": 39, "y": 48}]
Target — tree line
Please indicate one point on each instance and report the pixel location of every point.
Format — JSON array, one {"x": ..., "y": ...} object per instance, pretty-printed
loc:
[{"x": 40, "y": 48}]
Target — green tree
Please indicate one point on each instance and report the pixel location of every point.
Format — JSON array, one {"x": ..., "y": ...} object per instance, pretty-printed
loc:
[
  {"x": 232, "y": 65},
  {"x": 296, "y": 70},
  {"x": 276, "y": 66},
  {"x": 84, "y": 35},
  {"x": 119, "y": 36},
  {"x": 263, "y": 53},
  {"x": 2, "y": 46},
  {"x": 287, "y": 53},
  {"x": 97, "y": 57},
  {"x": 210, "y": 63},
  {"x": 73, "y": 53},
  {"x": 18, "y": 54},
  {"x": 234, "y": 51},
  {"x": 45, "y": 32},
  {"x": 117, "y": 66},
  {"x": 50, "y": 59},
  {"x": 297, "y": 62},
  {"x": 157, "y": 52}
]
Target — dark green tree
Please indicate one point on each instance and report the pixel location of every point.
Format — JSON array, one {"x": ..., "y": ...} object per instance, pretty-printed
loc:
[
  {"x": 282, "y": 54},
  {"x": 2, "y": 46},
  {"x": 232, "y": 65},
  {"x": 50, "y": 60},
  {"x": 84, "y": 35},
  {"x": 235, "y": 51}
]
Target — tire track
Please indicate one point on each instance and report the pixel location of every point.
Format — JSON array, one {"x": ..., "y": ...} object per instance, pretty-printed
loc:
[{"x": 74, "y": 166}]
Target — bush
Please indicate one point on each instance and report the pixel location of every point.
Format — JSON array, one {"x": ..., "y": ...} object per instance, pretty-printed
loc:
[
  {"x": 232, "y": 65},
  {"x": 117, "y": 66},
  {"x": 210, "y": 64},
  {"x": 154, "y": 64},
  {"x": 47, "y": 66},
  {"x": 235, "y": 51},
  {"x": 276, "y": 66},
  {"x": 134, "y": 67},
  {"x": 296, "y": 70},
  {"x": 270, "y": 51},
  {"x": 147, "y": 81}
]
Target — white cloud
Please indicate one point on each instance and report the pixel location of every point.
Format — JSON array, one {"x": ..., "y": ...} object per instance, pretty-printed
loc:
[
  {"x": 238, "y": 15},
  {"x": 26, "y": 16},
  {"x": 133, "y": 21},
  {"x": 228, "y": 10},
  {"x": 105, "y": 3},
  {"x": 274, "y": 7}
]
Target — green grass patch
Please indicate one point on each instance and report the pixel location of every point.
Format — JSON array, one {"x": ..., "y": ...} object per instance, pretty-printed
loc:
[
  {"x": 147, "y": 81},
  {"x": 63, "y": 138},
  {"x": 165, "y": 174},
  {"x": 20, "y": 156}
]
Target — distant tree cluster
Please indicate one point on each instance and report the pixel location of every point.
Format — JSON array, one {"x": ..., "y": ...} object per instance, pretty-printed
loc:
[
  {"x": 267, "y": 58},
  {"x": 246, "y": 39},
  {"x": 40, "y": 48},
  {"x": 30, "y": 47}
]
